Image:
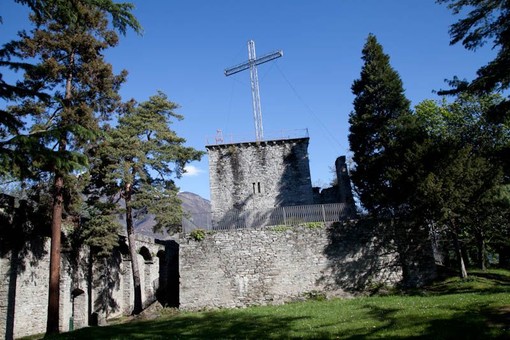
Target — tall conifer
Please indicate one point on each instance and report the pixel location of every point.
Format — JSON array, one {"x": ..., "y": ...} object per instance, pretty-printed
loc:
[
  {"x": 380, "y": 107},
  {"x": 138, "y": 163},
  {"x": 65, "y": 49}
]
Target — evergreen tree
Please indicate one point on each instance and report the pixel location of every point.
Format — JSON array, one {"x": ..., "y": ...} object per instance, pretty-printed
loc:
[
  {"x": 386, "y": 145},
  {"x": 13, "y": 144},
  {"x": 65, "y": 49},
  {"x": 138, "y": 163},
  {"x": 486, "y": 21},
  {"x": 380, "y": 111}
]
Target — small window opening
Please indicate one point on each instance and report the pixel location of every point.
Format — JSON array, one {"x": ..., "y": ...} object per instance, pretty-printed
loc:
[
  {"x": 258, "y": 185},
  {"x": 254, "y": 187}
]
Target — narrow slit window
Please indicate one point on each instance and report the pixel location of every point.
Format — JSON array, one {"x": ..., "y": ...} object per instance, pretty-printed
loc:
[
  {"x": 258, "y": 186},
  {"x": 254, "y": 187}
]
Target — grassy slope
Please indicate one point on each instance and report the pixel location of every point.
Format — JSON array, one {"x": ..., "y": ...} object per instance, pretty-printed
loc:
[{"x": 476, "y": 308}]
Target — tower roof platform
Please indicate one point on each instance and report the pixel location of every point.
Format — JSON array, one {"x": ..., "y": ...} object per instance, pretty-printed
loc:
[{"x": 230, "y": 139}]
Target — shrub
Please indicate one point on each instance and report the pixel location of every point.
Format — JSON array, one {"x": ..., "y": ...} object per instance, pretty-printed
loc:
[
  {"x": 315, "y": 295},
  {"x": 280, "y": 228},
  {"x": 313, "y": 225},
  {"x": 198, "y": 234}
]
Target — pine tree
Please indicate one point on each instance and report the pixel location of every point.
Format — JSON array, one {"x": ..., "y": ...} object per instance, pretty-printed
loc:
[
  {"x": 65, "y": 49},
  {"x": 140, "y": 158},
  {"x": 14, "y": 147},
  {"x": 486, "y": 21},
  {"x": 380, "y": 109}
]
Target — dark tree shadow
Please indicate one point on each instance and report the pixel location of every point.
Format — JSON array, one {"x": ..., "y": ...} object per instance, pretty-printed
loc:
[
  {"x": 22, "y": 246},
  {"x": 295, "y": 185},
  {"x": 206, "y": 326},
  {"x": 367, "y": 251},
  {"x": 106, "y": 281},
  {"x": 359, "y": 255},
  {"x": 473, "y": 322},
  {"x": 239, "y": 218}
]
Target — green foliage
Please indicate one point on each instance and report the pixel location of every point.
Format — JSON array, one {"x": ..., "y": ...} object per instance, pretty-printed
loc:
[
  {"x": 198, "y": 234},
  {"x": 313, "y": 225},
  {"x": 445, "y": 165},
  {"x": 71, "y": 12},
  {"x": 139, "y": 159},
  {"x": 66, "y": 92},
  {"x": 77, "y": 89},
  {"x": 485, "y": 21},
  {"x": 281, "y": 228},
  {"x": 100, "y": 233},
  {"x": 464, "y": 186},
  {"x": 315, "y": 295},
  {"x": 380, "y": 108}
]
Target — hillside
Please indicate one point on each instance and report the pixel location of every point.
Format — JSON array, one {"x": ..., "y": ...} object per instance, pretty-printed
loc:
[{"x": 192, "y": 204}]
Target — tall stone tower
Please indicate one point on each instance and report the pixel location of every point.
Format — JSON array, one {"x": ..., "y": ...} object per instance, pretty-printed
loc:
[{"x": 258, "y": 176}]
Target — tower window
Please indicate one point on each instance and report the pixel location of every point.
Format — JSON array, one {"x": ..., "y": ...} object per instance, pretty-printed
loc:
[{"x": 257, "y": 188}]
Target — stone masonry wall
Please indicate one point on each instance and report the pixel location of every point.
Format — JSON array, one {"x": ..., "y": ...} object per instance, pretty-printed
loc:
[
  {"x": 24, "y": 276},
  {"x": 234, "y": 268},
  {"x": 258, "y": 176},
  {"x": 24, "y": 286},
  {"x": 273, "y": 265}
]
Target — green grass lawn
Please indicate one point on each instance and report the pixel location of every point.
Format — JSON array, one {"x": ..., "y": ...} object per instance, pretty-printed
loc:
[{"x": 475, "y": 308}]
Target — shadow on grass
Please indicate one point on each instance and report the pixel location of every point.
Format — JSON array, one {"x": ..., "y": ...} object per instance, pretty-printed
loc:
[
  {"x": 208, "y": 325},
  {"x": 500, "y": 278},
  {"x": 469, "y": 321},
  {"x": 480, "y": 322},
  {"x": 490, "y": 282}
]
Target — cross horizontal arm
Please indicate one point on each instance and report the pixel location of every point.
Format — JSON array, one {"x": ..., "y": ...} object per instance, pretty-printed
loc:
[{"x": 244, "y": 66}]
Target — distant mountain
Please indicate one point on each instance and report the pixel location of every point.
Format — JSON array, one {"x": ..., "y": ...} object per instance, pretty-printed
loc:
[{"x": 192, "y": 204}]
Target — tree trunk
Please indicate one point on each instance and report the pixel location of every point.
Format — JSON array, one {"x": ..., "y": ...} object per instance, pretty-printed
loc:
[
  {"x": 480, "y": 246},
  {"x": 90, "y": 282},
  {"x": 137, "y": 308},
  {"x": 52, "y": 325},
  {"x": 460, "y": 257}
]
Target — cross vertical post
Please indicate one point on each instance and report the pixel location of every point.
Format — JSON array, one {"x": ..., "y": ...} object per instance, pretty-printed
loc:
[{"x": 255, "y": 94}]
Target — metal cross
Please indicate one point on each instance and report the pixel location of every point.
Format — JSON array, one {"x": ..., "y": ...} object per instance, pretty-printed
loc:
[{"x": 252, "y": 65}]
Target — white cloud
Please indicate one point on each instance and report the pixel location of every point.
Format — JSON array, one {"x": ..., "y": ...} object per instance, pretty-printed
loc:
[{"x": 192, "y": 171}]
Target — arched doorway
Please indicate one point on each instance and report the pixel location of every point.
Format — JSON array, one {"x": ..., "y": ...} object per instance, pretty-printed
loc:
[{"x": 149, "y": 287}]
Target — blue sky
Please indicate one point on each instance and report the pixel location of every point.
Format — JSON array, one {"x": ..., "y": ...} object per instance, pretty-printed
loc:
[{"x": 186, "y": 45}]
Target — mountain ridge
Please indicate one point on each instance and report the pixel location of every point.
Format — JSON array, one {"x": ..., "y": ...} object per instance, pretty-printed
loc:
[{"x": 191, "y": 203}]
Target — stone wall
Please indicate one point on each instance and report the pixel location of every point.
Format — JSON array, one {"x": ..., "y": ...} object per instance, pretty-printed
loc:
[
  {"x": 107, "y": 287},
  {"x": 226, "y": 269},
  {"x": 258, "y": 176},
  {"x": 23, "y": 293},
  {"x": 274, "y": 265}
]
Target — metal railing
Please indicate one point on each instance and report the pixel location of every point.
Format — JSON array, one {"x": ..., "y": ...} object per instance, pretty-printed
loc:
[
  {"x": 221, "y": 138},
  {"x": 286, "y": 216}
]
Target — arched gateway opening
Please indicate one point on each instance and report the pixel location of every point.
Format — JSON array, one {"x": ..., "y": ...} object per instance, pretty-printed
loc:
[{"x": 168, "y": 292}]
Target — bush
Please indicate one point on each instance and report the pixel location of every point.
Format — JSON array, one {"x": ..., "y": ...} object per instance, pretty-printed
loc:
[{"x": 198, "y": 234}]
